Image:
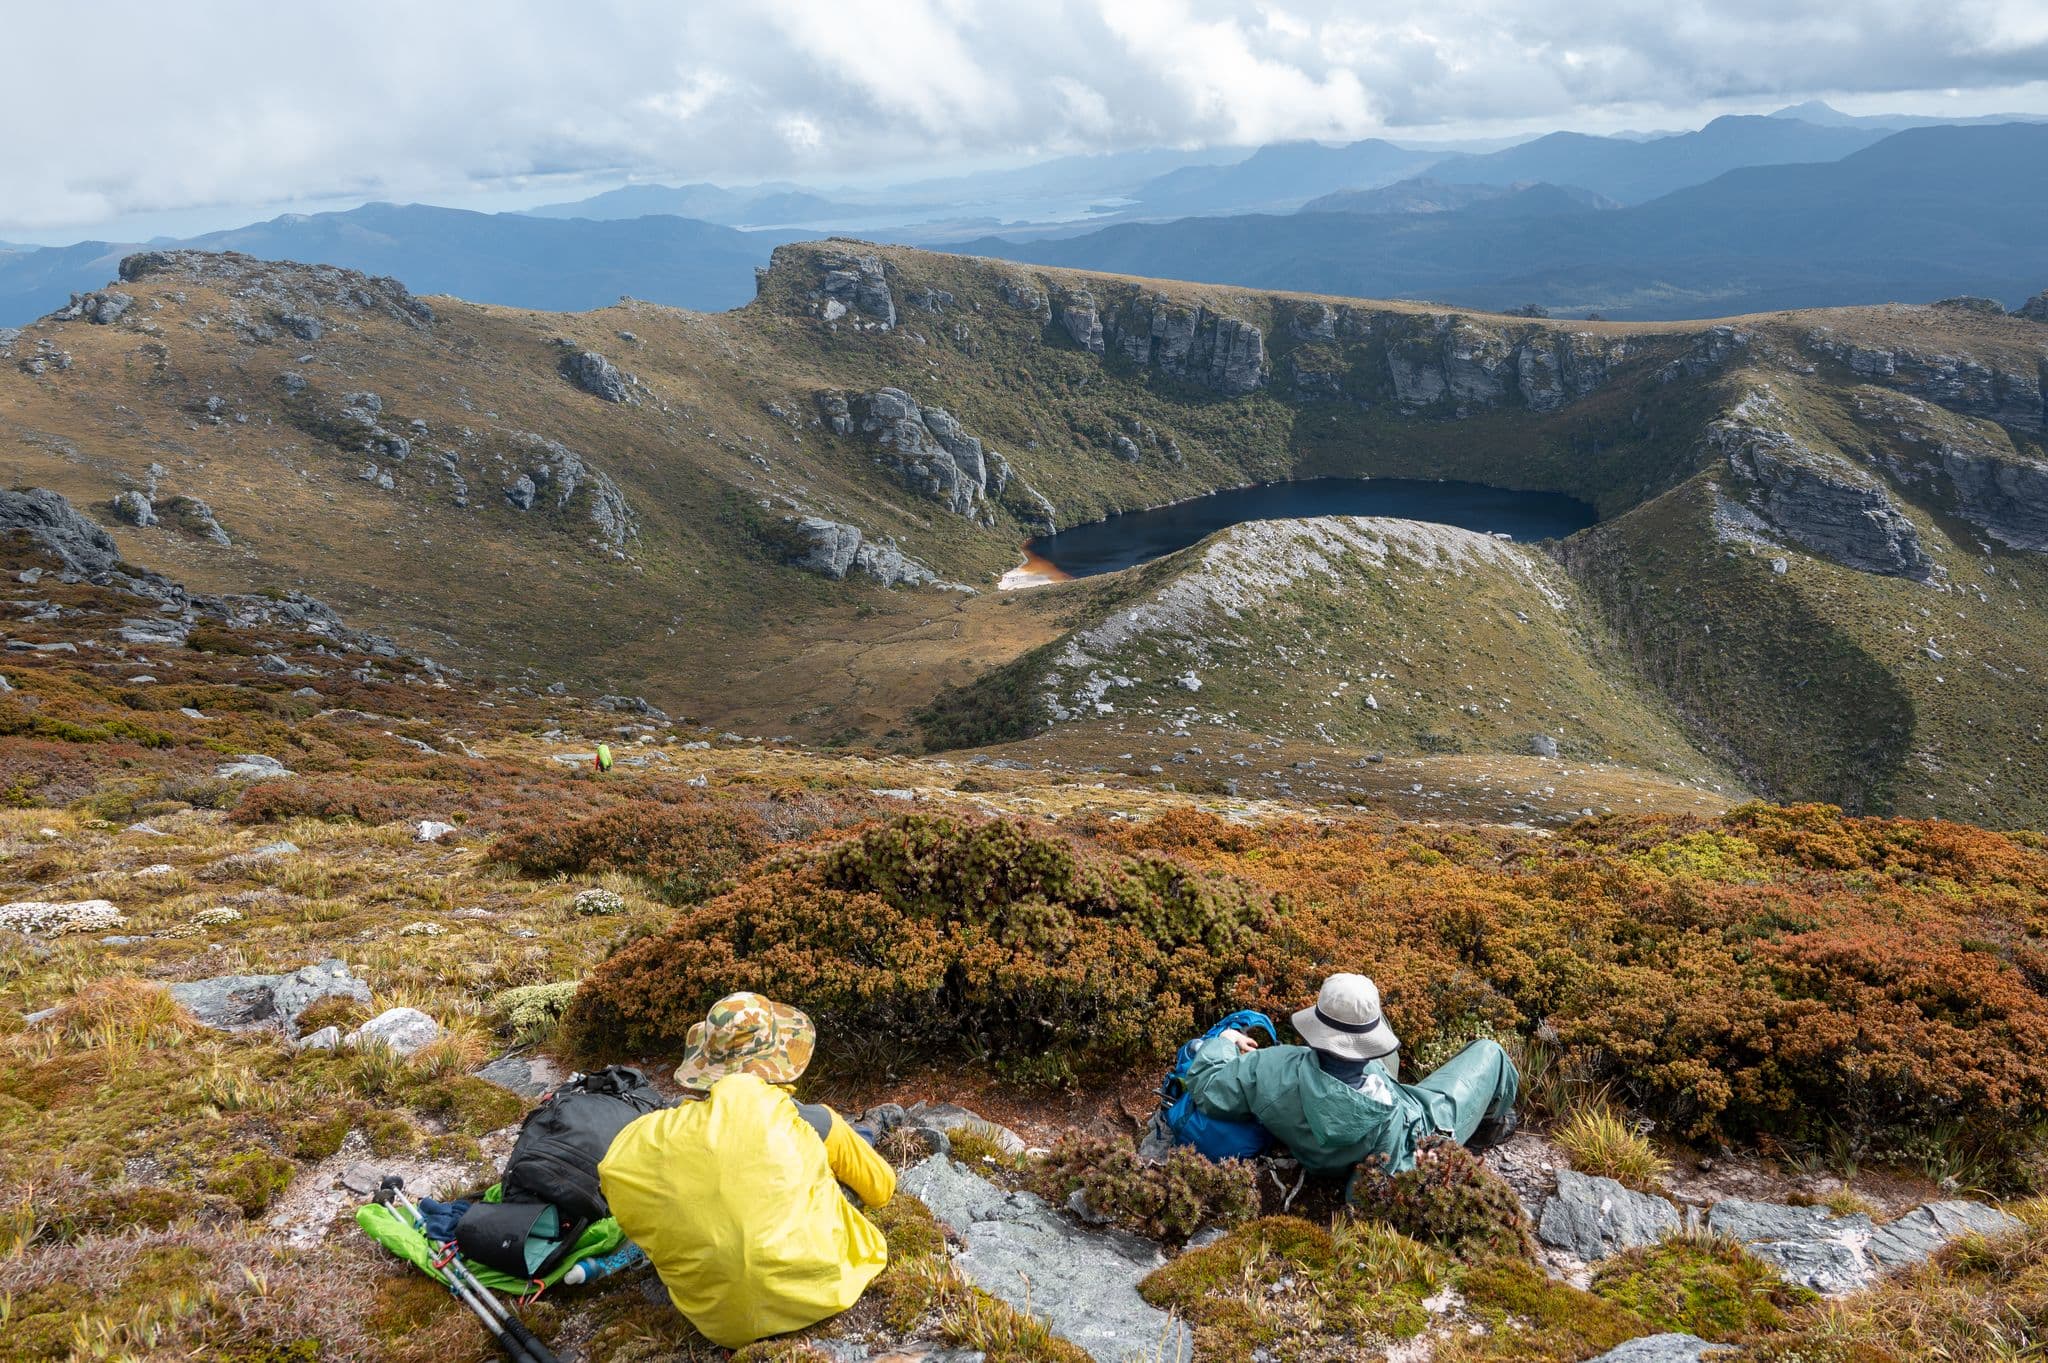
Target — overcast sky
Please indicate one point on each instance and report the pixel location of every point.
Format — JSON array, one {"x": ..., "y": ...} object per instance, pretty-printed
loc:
[{"x": 129, "y": 118}]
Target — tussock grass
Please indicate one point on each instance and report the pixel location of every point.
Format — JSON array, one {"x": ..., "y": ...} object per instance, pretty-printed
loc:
[{"x": 1602, "y": 1141}]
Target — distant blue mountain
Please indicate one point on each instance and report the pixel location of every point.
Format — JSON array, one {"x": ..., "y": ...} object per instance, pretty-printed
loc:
[
  {"x": 1633, "y": 172},
  {"x": 558, "y": 265},
  {"x": 1282, "y": 175},
  {"x": 1922, "y": 214},
  {"x": 709, "y": 203},
  {"x": 1827, "y": 116}
]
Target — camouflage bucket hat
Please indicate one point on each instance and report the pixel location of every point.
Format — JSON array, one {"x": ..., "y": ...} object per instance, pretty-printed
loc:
[{"x": 748, "y": 1034}]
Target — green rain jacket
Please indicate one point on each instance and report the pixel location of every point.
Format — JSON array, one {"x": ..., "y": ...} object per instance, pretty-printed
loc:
[{"x": 1324, "y": 1122}]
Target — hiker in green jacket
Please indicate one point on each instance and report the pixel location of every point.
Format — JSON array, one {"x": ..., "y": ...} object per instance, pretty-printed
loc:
[{"x": 1335, "y": 1101}]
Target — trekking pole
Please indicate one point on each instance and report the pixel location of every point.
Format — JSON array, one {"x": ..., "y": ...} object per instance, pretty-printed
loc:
[{"x": 506, "y": 1328}]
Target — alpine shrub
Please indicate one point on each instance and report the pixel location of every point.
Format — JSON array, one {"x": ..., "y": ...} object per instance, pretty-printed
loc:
[
  {"x": 1168, "y": 1201},
  {"x": 685, "y": 850},
  {"x": 929, "y": 936},
  {"x": 1449, "y": 1198}
]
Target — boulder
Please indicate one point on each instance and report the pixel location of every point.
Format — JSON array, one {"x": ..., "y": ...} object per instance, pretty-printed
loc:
[
  {"x": 824, "y": 547},
  {"x": 251, "y": 766},
  {"x": 1542, "y": 745},
  {"x": 1082, "y": 1282},
  {"x": 326, "y": 1039},
  {"x": 402, "y": 1030},
  {"x": 1597, "y": 1217},
  {"x": 194, "y": 517},
  {"x": 527, "y": 1076},
  {"x": 432, "y": 830},
  {"x": 597, "y": 376},
  {"x": 236, "y": 1003},
  {"x": 1665, "y": 1349},
  {"x": 133, "y": 508}
]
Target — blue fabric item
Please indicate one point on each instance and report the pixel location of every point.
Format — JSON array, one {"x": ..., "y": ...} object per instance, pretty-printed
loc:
[
  {"x": 437, "y": 1219},
  {"x": 1216, "y": 1138}
]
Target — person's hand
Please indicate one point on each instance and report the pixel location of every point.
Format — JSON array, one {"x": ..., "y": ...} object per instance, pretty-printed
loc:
[{"x": 1239, "y": 1040}]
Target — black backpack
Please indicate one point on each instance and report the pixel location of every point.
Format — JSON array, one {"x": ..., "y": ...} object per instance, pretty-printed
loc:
[{"x": 556, "y": 1156}]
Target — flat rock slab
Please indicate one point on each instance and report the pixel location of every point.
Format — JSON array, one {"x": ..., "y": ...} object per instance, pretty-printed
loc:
[
  {"x": 1665, "y": 1349},
  {"x": 1594, "y": 1218},
  {"x": 1836, "y": 1255},
  {"x": 1082, "y": 1283},
  {"x": 951, "y": 1117},
  {"x": 527, "y": 1076},
  {"x": 236, "y": 1003}
]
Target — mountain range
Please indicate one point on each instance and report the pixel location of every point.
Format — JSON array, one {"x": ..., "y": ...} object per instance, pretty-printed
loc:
[
  {"x": 1166, "y": 211},
  {"x": 1921, "y": 214}
]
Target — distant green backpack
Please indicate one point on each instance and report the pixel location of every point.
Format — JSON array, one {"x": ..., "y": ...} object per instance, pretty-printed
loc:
[{"x": 604, "y": 757}]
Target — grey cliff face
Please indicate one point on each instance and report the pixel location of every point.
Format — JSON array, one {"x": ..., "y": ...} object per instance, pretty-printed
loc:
[
  {"x": 1825, "y": 505},
  {"x": 1213, "y": 351}
]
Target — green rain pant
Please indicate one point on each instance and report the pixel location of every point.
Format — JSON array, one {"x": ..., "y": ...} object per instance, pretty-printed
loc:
[{"x": 1477, "y": 1083}]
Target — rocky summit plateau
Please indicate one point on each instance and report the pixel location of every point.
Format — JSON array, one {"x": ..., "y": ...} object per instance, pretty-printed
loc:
[
  {"x": 1816, "y": 572},
  {"x": 1722, "y": 814}
]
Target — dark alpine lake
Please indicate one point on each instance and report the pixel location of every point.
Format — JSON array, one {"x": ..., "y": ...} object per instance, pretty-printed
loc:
[{"x": 1141, "y": 536}]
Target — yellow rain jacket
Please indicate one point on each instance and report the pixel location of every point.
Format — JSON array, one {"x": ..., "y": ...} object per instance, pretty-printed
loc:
[{"x": 737, "y": 1203}]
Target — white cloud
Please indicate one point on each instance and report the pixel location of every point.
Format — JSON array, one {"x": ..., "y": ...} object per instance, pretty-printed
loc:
[{"x": 128, "y": 107}]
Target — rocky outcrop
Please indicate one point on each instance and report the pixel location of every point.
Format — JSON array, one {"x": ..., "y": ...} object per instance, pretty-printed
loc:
[
  {"x": 282, "y": 286},
  {"x": 1960, "y": 383},
  {"x": 2006, "y": 497},
  {"x": 552, "y": 472},
  {"x": 835, "y": 549},
  {"x": 101, "y": 307},
  {"x": 856, "y": 284},
  {"x": 1971, "y": 302},
  {"x": 1211, "y": 350},
  {"x": 597, "y": 376},
  {"x": 928, "y": 451},
  {"x": 1823, "y": 504},
  {"x": 55, "y": 526},
  {"x": 1708, "y": 352},
  {"x": 236, "y": 1003},
  {"x": 2035, "y": 309},
  {"x": 1025, "y": 298},
  {"x": 824, "y": 547},
  {"x": 1083, "y": 1283},
  {"x": 1078, "y": 316}
]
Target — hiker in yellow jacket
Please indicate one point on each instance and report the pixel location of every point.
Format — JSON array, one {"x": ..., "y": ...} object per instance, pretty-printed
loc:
[{"x": 736, "y": 1197}]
